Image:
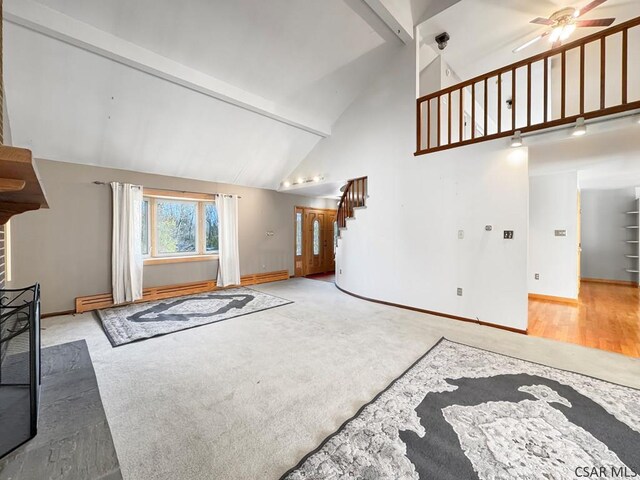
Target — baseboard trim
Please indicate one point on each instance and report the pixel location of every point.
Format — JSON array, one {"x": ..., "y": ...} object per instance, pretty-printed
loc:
[
  {"x": 57, "y": 314},
  {"x": 437, "y": 314},
  {"x": 105, "y": 300},
  {"x": 553, "y": 299},
  {"x": 625, "y": 283}
]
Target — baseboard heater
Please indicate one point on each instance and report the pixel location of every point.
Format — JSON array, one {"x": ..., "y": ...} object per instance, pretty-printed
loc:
[{"x": 105, "y": 300}]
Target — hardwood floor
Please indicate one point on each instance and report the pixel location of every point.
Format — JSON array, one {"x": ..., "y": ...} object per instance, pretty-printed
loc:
[{"x": 607, "y": 317}]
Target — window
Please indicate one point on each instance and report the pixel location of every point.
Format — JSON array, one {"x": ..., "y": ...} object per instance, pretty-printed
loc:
[
  {"x": 176, "y": 225},
  {"x": 211, "y": 227},
  {"x": 145, "y": 227},
  {"x": 335, "y": 236},
  {"x": 298, "y": 234},
  {"x": 316, "y": 237}
]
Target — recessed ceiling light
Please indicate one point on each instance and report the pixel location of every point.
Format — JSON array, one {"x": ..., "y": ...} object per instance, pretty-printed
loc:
[
  {"x": 316, "y": 179},
  {"x": 516, "y": 140},
  {"x": 286, "y": 184},
  {"x": 580, "y": 129},
  {"x": 300, "y": 180}
]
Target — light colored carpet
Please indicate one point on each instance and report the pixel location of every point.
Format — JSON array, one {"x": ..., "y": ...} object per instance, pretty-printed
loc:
[{"x": 248, "y": 397}]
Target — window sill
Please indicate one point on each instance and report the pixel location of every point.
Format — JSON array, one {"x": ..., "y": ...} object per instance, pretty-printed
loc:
[{"x": 182, "y": 259}]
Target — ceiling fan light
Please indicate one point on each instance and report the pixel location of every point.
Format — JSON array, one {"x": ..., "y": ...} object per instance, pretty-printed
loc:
[
  {"x": 580, "y": 128},
  {"x": 567, "y": 31},
  {"x": 516, "y": 140},
  {"x": 555, "y": 35}
]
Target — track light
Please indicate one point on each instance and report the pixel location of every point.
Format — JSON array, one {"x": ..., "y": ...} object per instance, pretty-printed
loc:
[
  {"x": 581, "y": 128},
  {"x": 516, "y": 140}
]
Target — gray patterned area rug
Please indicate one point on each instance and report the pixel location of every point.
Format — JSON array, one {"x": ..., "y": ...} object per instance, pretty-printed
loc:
[
  {"x": 138, "y": 321},
  {"x": 74, "y": 438},
  {"x": 464, "y": 413}
]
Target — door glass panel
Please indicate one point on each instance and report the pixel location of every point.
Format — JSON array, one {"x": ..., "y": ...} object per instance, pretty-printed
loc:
[
  {"x": 298, "y": 234},
  {"x": 316, "y": 237}
]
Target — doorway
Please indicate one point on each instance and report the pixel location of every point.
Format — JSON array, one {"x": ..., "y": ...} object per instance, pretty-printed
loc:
[{"x": 315, "y": 241}]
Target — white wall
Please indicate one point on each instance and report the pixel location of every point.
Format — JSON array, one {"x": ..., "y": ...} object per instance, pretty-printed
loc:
[
  {"x": 604, "y": 236},
  {"x": 404, "y": 247},
  {"x": 553, "y": 205}
]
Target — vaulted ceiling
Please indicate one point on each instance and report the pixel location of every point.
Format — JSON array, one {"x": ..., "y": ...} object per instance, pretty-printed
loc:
[
  {"x": 484, "y": 33},
  {"x": 230, "y": 91}
]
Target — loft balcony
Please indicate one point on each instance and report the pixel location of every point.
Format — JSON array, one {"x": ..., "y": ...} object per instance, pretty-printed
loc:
[{"x": 596, "y": 76}]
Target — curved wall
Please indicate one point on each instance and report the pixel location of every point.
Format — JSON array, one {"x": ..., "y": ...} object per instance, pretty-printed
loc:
[{"x": 404, "y": 247}]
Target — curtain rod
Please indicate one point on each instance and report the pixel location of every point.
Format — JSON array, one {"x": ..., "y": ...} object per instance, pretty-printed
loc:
[{"x": 98, "y": 182}]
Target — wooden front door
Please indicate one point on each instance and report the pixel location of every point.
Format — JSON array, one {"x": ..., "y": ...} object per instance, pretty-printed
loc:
[
  {"x": 330, "y": 248},
  {"x": 315, "y": 252},
  {"x": 315, "y": 258}
]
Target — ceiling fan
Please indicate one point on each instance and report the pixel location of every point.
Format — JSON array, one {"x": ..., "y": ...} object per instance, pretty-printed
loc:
[{"x": 564, "y": 22}]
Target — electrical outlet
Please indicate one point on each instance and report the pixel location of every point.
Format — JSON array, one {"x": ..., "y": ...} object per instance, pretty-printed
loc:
[
  {"x": 488, "y": 228},
  {"x": 508, "y": 235},
  {"x": 340, "y": 271},
  {"x": 459, "y": 292},
  {"x": 537, "y": 276}
]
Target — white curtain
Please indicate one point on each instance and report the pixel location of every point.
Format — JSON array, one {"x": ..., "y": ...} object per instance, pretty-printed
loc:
[
  {"x": 126, "y": 248},
  {"x": 229, "y": 257}
]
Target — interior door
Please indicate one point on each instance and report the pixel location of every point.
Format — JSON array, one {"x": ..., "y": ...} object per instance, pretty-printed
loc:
[{"x": 579, "y": 232}]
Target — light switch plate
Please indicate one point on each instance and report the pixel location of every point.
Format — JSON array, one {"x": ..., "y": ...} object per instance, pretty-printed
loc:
[
  {"x": 561, "y": 233},
  {"x": 460, "y": 234},
  {"x": 459, "y": 292},
  {"x": 508, "y": 235}
]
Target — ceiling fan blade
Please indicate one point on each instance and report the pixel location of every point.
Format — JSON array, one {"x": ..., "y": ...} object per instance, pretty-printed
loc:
[
  {"x": 530, "y": 42},
  {"x": 590, "y": 6},
  {"x": 542, "y": 21},
  {"x": 602, "y": 22}
]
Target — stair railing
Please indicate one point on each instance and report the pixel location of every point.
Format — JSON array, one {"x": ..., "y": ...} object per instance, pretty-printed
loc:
[
  {"x": 592, "y": 77},
  {"x": 354, "y": 196}
]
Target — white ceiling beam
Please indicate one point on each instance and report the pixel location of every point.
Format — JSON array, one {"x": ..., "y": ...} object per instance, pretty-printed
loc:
[
  {"x": 396, "y": 14},
  {"x": 44, "y": 20}
]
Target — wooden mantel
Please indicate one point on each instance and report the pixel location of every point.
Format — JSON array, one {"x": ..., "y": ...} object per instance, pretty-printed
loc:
[{"x": 20, "y": 187}]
